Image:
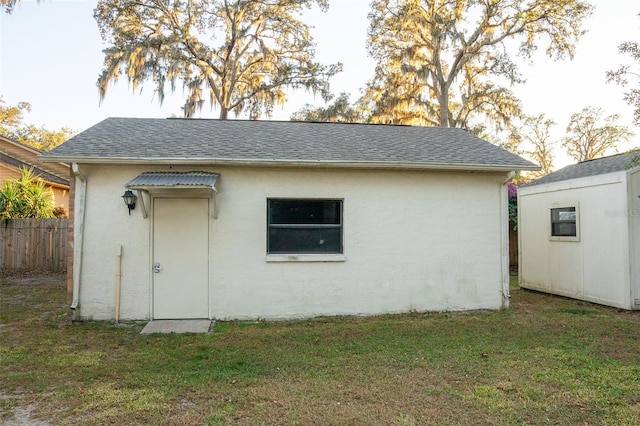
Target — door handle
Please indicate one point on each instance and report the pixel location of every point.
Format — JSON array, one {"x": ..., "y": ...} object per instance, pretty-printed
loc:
[{"x": 156, "y": 267}]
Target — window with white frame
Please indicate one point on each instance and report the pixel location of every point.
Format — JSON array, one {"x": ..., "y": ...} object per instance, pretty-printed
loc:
[
  {"x": 304, "y": 226},
  {"x": 564, "y": 222}
]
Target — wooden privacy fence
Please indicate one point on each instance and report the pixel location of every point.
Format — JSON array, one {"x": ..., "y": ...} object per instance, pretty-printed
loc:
[
  {"x": 513, "y": 248},
  {"x": 33, "y": 244}
]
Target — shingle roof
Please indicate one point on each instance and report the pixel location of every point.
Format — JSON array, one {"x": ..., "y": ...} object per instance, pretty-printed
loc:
[
  {"x": 19, "y": 155},
  {"x": 43, "y": 174},
  {"x": 599, "y": 166},
  {"x": 140, "y": 140}
]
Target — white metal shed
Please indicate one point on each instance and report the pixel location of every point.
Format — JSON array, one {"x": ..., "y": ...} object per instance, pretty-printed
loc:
[{"x": 579, "y": 232}]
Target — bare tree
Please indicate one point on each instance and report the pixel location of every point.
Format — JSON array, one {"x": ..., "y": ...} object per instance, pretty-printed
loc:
[
  {"x": 620, "y": 76},
  {"x": 536, "y": 132},
  {"x": 590, "y": 135}
]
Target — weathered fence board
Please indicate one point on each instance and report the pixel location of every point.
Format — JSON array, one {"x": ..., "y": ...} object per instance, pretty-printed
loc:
[
  {"x": 513, "y": 248},
  {"x": 33, "y": 244}
]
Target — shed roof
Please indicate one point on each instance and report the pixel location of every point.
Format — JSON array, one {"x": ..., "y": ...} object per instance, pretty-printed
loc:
[
  {"x": 204, "y": 141},
  {"x": 598, "y": 166}
]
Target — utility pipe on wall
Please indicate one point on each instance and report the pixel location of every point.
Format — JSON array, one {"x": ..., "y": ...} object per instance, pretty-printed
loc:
[
  {"x": 78, "y": 234},
  {"x": 118, "y": 280}
]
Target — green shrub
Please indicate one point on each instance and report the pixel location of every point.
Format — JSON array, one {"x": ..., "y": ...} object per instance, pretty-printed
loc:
[{"x": 26, "y": 197}]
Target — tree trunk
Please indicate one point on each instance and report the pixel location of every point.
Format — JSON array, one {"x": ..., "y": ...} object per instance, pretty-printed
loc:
[{"x": 444, "y": 106}]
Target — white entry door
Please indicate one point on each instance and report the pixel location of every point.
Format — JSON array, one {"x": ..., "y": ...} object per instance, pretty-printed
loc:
[{"x": 180, "y": 258}]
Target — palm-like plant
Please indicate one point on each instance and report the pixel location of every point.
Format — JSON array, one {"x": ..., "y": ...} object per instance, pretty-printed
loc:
[{"x": 26, "y": 197}]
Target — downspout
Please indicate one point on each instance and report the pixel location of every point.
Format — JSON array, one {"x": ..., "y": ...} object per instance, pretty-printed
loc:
[
  {"x": 504, "y": 238},
  {"x": 81, "y": 193},
  {"x": 118, "y": 281}
]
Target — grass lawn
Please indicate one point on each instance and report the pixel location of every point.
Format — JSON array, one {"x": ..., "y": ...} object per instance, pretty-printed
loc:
[{"x": 547, "y": 360}]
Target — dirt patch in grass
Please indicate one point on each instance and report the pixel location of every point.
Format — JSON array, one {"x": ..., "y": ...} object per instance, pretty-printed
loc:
[
  {"x": 547, "y": 360},
  {"x": 21, "y": 414}
]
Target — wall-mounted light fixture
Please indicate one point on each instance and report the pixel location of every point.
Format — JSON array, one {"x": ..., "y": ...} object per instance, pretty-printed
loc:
[{"x": 130, "y": 200}]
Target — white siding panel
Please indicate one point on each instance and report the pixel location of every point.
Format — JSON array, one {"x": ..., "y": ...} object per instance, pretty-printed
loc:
[
  {"x": 596, "y": 267},
  {"x": 634, "y": 222}
]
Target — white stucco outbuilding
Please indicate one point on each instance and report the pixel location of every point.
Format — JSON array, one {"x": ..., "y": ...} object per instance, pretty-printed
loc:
[
  {"x": 260, "y": 219},
  {"x": 579, "y": 232}
]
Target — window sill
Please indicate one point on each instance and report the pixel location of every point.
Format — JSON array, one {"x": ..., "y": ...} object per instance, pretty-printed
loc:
[
  {"x": 565, "y": 239},
  {"x": 306, "y": 258}
]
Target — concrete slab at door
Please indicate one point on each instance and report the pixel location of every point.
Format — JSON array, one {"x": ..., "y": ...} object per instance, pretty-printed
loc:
[{"x": 181, "y": 258}]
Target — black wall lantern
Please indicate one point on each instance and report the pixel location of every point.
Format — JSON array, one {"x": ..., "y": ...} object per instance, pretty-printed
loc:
[{"x": 130, "y": 200}]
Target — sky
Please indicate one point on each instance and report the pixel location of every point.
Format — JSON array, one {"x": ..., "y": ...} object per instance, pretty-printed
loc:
[{"x": 51, "y": 56}]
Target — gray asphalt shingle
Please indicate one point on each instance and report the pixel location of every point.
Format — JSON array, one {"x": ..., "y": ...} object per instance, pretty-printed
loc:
[
  {"x": 141, "y": 139},
  {"x": 599, "y": 166}
]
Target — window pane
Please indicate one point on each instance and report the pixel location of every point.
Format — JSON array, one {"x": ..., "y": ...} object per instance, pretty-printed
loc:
[
  {"x": 564, "y": 229},
  {"x": 304, "y": 212},
  {"x": 563, "y": 222},
  {"x": 305, "y": 240},
  {"x": 564, "y": 213}
]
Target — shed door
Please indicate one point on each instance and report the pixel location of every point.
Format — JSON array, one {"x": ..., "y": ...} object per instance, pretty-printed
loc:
[{"x": 180, "y": 258}]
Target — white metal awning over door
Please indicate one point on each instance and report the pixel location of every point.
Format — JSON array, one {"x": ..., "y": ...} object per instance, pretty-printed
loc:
[{"x": 163, "y": 182}]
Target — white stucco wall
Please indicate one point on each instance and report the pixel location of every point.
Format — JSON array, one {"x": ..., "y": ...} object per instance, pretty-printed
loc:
[
  {"x": 108, "y": 226},
  {"x": 595, "y": 268},
  {"x": 413, "y": 240}
]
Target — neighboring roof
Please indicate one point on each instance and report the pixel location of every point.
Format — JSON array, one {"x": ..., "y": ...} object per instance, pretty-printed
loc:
[
  {"x": 19, "y": 155},
  {"x": 599, "y": 166},
  {"x": 201, "y": 141},
  {"x": 173, "y": 179}
]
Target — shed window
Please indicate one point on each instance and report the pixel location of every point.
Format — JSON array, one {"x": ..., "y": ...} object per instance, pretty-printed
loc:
[
  {"x": 564, "y": 222},
  {"x": 304, "y": 226}
]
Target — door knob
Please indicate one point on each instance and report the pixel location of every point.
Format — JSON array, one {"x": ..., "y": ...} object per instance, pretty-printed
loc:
[{"x": 156, "y": 267}]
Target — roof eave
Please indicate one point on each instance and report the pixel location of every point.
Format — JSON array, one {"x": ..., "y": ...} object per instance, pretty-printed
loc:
[
  {"x": 290, "y": 163},
  {"x": 633, "y": 170},
  {"x": 21, "y": 145},
  {"x": 58, "y": 185}
]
